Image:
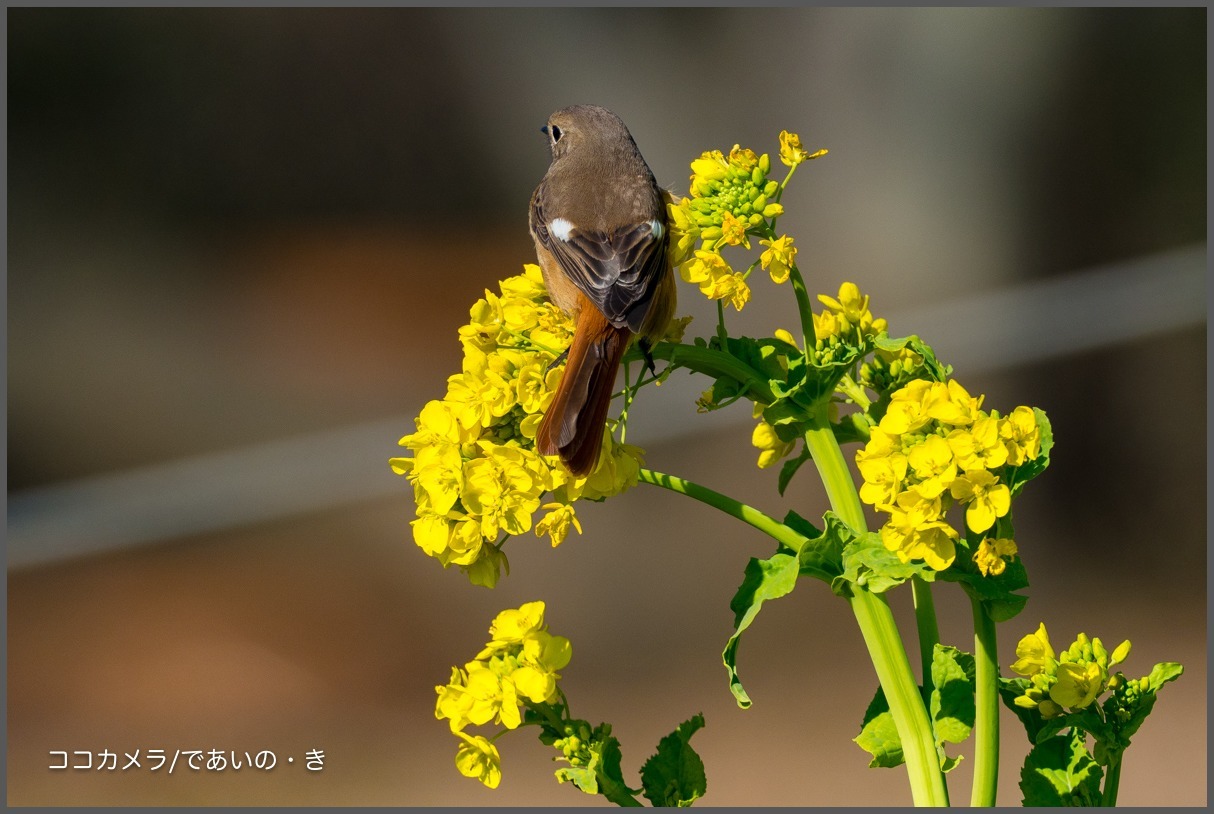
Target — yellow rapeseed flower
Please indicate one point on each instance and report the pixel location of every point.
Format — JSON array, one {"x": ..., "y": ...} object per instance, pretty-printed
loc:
[
  {"x": 991, "y": 556},
  {"x": 478, "y": 758},
  {"x": 987, "y": 499},
  {"x": 1033, "y": 653},
  {"x": 778, "y": 258}
]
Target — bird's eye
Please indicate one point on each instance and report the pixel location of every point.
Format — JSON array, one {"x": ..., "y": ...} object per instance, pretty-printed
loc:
[{"x": 555, "y": 132}]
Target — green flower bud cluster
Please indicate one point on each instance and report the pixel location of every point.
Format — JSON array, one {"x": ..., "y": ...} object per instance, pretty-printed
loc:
[
  {"x": 575, "y": 746},
  {"x": 1072, "y": 680},
  {"x": 887, "y": 371},
  {"x": 737, "y": 185}
]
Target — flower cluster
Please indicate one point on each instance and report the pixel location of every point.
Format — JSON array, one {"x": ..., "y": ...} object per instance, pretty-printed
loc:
[
  {"x": 475, "y": 473},
  {"x": 516, "y": 668},
  {"x": 1073, "y": 679},
  {"x": 934, "y": 447},
  {"x": 732, "y": 200},
  {"x": 846, "y": 323}
]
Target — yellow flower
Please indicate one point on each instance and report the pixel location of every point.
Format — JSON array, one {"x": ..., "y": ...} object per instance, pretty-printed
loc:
[
  {"x": 478, "y": 758},
  {"x": 733, "y": 230},
  {"x": 557, "y": 522},
  {"x": 704, "y": 267},
  {"x": 1033, "y": 653},
  {"x": 772, "y": 449},
  {"x": 709, "y": 167},
  {"x": 987, "y": 498},
  {"x": 778, "y": 258},
  {"x": 883, "y": 467},
  {"x": 1078, "y": 684},
  {"x": 513, "y": 625},
  {"x": 907, "y": 411},
  {"x": 743, "y": 158},
  {"x": 542, "y": 655},
  {"x": 432, "y": 533},
  {"x": 1021, "y": 435},
  {"x": 914, "y": 531},
  {"x": 852, "y": 306},
  {"x": 439, "y": 471},
  {"x": 991, "y": 555},
  {"x": 979, "y": 446},
  {"x": 951, "y": 404},
  {"x": 932, "y": 462},
  {"x": 791, "y": 151},
  {"x": 684, "y": 231}
]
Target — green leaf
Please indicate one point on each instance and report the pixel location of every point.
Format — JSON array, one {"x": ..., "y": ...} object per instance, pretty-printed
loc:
[
  {"x": 611, "y": 778},
  {"x": 868, "y": 563},
  {"x": 879, "y": 736},
  {"x": 1164, "y": 672},
  {"x": 790, "y": 468},
  {"x": 763, "y": 580},
  {"x": 674, "y": 777},
  {"x": 821, "y": 557},
  {"x": 952, "y": 701},
  {"x": 1060, "y": 772},
  {"x": 931, "y": 365}
]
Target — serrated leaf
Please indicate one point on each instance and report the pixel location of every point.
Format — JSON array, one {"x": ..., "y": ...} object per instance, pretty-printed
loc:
[
  {"x": 674, "y": 776},
  {"x": 790, "y": 468},
  {"x": 611, "y": 778},
  {"x": 763, "y": 580},
  {"x": 879, "y": 736},
  {"x": 1060, "y": 772},
  {"x": 952, "y": 700}
]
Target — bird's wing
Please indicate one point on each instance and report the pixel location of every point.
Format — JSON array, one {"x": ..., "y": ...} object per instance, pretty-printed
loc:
[{"x": 616, "y": 271}]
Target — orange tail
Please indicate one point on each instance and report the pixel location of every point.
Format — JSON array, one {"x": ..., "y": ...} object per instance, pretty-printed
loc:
[{"x": 573, "y": 425}]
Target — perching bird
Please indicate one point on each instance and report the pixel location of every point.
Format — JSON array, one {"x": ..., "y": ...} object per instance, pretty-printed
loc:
[{"x": 598, "y": 219}]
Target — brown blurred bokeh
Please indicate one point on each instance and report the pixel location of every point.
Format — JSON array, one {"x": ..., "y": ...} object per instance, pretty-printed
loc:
[{"x": 232, "y": 227}]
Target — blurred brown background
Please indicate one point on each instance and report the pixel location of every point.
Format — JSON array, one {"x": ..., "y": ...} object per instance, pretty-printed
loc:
[{"x": 240, "y": 243}]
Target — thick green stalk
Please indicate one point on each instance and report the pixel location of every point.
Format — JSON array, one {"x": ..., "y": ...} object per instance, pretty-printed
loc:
[
  {"x": 880, "y": 632},
  {"x": 929, "y": 630},
  {"x": 734, "y": 508},
  {"x": 986, "y": 700},
  {"x": 1112, "y": 780}
]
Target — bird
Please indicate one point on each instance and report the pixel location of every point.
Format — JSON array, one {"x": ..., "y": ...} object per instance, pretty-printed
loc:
[{"x": 598, "y": 219}]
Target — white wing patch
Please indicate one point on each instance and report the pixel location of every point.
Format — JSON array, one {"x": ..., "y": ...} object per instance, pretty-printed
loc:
[
  {"x": 561, "y": 228},
  {"x": 657, "y": 228}
]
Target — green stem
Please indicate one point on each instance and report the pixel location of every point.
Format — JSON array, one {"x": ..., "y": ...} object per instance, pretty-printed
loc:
[
  {"x": 986, "y": 699},
  {"x": 808, "y": 337},
  {"x": 734, "y": 508},
  {"x": 929, "y": 630},
  {"x": 1112, "y": 780},
  {"x": 880, "y": 631}
]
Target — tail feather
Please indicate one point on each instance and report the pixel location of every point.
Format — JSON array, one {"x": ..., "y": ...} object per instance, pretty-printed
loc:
[{"x": 573, "y": 425}]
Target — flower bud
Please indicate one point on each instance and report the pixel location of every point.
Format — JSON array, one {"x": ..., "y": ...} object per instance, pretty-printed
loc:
[
  {"x": 770, "y": 188},
  {"x": 764, "y": 165},
  {"x": 1120, "y": 653},
  {"x": 773, "y": 210}
]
